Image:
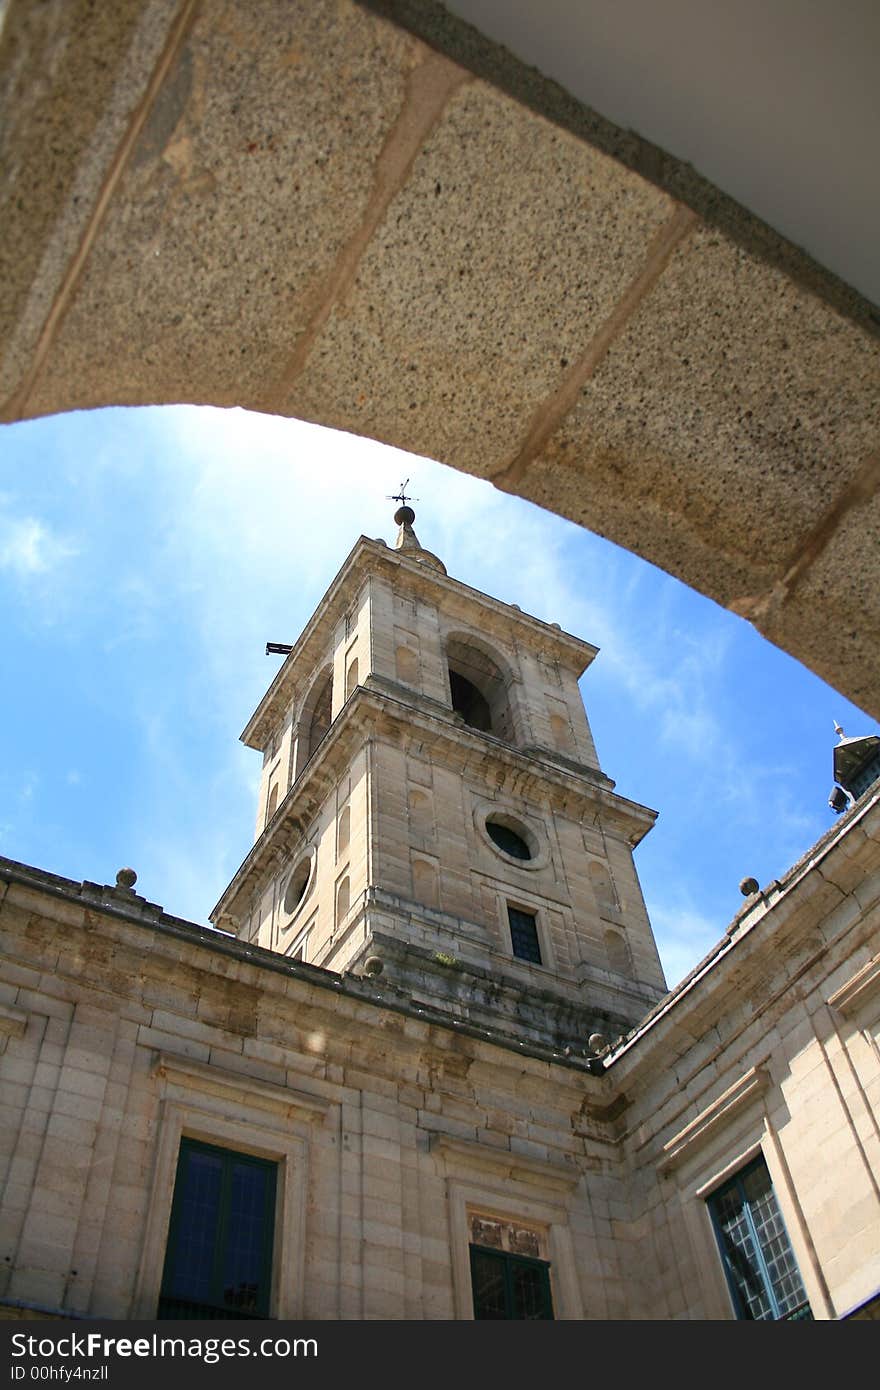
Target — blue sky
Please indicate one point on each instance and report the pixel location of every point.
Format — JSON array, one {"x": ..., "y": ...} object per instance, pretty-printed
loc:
[{"x": 147, "y": 555}]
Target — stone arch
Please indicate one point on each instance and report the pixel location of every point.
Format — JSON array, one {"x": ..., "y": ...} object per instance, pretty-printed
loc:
[
  {"x": 315, "y": 717},
  {"x": 617, "y": 951},
  {"x": 343, "y": 899},
  {"x": 407, "y": 665},
  {"x": 420, "y": 812},
  {"x": 272, "y": 803},
  {"x": 351, "y": 677},
  {"x": 480, "y": 684},
  {"x": 343, "y": 831},
  {"x": 173, "y": 327},
  {"x": 603, "y": 888},
  {"x": 560, "y": 730},
  {"x": 424, "y": 875}
]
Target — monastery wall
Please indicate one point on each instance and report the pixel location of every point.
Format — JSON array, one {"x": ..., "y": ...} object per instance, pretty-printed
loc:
[{"x": 394, "y": 1132}]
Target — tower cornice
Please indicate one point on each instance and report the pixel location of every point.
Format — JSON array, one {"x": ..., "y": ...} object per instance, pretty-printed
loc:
[{"x": 584, "y": 793}]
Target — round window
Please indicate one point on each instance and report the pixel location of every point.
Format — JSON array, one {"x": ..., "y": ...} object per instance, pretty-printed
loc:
[
  {"x": 508, "y": 840},
  {"x": 298, "y": 884}
]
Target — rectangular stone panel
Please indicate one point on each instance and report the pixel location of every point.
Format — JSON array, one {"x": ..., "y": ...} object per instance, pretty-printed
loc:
[
  {"x": 252, "y": 172},
  {"x": 843, "y": 582},
  {"x": 722, "y": 424},
  {"x": 72, "y": 74},
  {"x": 498, "y": 259}
]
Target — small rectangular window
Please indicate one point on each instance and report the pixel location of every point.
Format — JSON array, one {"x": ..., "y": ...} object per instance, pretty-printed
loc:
[
  {"x": 761, "y": 1269},
  {"x": 509, "y": 1287},
  {"x": 524, "y": 935},
  {"x": 219, "y": 1257}
]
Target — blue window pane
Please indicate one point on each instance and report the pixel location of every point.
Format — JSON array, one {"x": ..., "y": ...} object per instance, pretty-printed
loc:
[
  {"x": 198, "y": 1216},
  {"x": 245, "y": 1238},
  {"x": 218, "y": 1262}
]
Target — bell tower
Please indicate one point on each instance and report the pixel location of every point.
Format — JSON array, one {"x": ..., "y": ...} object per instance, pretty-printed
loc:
[{"x": 432, "y": 812}]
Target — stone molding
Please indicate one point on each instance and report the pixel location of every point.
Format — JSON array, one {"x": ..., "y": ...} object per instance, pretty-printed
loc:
[
  {"x": 220, "y": 1081},
  {"x": 502, "y": 1163},
  {"x": 246, "y": 1130},
  {"x": 366, "y": 713},
  {"x": 851, "y": 997},
  {"x": 751, "y": 1084}
]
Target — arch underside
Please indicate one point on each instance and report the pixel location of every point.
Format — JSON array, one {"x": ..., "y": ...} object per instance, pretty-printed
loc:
[{"x": 314, "y": 212}]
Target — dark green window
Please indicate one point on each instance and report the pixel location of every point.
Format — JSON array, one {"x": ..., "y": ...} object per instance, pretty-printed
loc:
[
  {"x": 524, "y": 935},
  {"x": 762, "y": 1272},
  {"x": 219, "y": 1258},
  {"x": 509, "y": 1287}
]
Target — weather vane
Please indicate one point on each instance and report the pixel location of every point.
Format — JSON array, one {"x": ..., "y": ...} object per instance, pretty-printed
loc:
[{"x": 401, "y": 496}]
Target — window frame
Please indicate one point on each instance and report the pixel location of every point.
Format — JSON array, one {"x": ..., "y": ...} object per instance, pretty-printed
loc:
[
  {"x": 228, "y": 1157},
  {"x": 506, "y": 896},
  {"x": 533, "y": 916},
  {"x": 509, "y": 1262},
  {"x": 307, "y": 860},
  {"x": 526, "y": 824},
  {"x": 272, "y": 1122},
  {"x": 480, "y": 1183},
  {"x": 735, "y": 1181}
]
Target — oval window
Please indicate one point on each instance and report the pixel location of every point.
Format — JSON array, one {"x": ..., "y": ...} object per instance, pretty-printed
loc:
[
  {"x": 508, "y": 840},
  {"x": 298, "y": 884}
]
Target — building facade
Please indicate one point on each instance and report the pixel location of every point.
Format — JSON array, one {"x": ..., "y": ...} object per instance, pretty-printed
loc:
[{"x": 424, "y": 1065}]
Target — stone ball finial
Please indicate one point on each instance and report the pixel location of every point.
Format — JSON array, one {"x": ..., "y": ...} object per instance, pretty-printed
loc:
[
  {"x": 748, "y": 886},
  {"x": 373, "y": 966},
  {"x": 597, "y": 1042},
  {"x": 404, "y": 516},
  {"x": 126, "y": 878}
]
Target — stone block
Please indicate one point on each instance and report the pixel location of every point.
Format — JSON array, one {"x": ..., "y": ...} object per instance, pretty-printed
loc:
[{"x": 246, "y": 143}]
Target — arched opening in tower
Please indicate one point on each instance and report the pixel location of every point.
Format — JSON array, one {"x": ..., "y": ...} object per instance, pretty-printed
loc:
[
  {"x": 320, "y": 721},
  {"x": 469, "y": 703},
  {"x": 478, "y": 689}
]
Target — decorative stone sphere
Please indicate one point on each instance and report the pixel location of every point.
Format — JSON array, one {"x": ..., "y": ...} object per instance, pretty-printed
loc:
[
  {"x": 373, "y": 966},
  {"x": 748, "y": 886},
  {"x": 404, "y": 516},
  {"x": 126, "y": 878},
  {"x": 597, "y": 1042}
]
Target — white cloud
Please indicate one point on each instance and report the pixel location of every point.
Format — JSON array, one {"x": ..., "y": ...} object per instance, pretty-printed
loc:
[{"x": 28, "y": 547}]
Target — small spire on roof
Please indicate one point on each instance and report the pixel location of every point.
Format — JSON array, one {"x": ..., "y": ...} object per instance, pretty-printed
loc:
[
  {"x": 404, "y": 516},
  {"x": 407, "y": 540},
  {"x": 838, "y": 730}
]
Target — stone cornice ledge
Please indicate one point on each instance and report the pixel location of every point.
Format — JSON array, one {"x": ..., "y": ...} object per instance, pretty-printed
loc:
[
  {"x": 862, "y": 986},
  {"x": 504, "y": 1164},
  {"x": 201, "y": 1076},
  {"x": 752, "y": 1084}
]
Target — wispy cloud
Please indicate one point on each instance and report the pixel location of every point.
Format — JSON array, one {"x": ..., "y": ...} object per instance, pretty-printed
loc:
[
  {"x": 684, "y": 936},
  {"x": 28, "y": 547}
]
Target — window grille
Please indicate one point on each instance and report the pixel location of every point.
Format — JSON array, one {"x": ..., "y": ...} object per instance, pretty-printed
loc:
[
  {"x": 508, "y": 840},
  {"x": 524, "y": 935},
  {"x": 509, "y": 1287},
  {"x": 761, "y": 1269}
]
